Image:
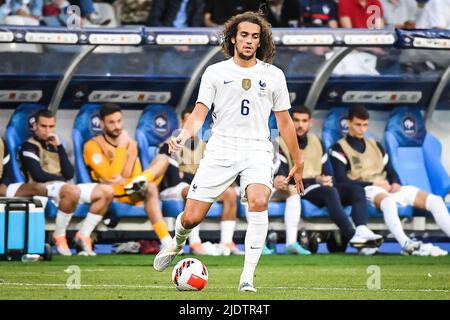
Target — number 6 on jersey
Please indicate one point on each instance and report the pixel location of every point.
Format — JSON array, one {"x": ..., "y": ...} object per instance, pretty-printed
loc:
[{"x": 245, "y": 110}]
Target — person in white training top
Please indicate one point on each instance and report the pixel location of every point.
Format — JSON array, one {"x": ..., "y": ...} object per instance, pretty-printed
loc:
[{"x": 242, "y": 91}]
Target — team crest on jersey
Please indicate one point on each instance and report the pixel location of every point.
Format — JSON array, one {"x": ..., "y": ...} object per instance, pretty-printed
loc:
[
  {"x": 246, "y": 84},
  {"x": 262, "y": 88},
  {"x": 262, "y": 84}
]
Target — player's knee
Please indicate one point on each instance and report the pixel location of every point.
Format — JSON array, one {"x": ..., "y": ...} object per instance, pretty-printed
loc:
[
  {"x": 70, "y": 193},
  {"x": 38, "y": 189},
  {"x": 107, "y": 192},
  {"x": 2, "y": 190},
  {"x": 257, "y": 204},
  {"x": 229, "y": 194},
  {"x": 190, "y": 221},
  {"x": 151, "y": 190}
]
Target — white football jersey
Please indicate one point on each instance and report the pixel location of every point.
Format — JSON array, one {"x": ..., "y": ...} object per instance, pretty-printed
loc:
[{"x": 243, "y": 99}]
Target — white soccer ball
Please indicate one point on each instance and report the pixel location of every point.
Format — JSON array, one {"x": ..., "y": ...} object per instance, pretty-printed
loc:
[{"x": 190, "y": 275}]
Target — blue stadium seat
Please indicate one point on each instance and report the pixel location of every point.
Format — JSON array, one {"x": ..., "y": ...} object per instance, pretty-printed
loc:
[
  {"x": 334, "y": 128},
  {"x": 156, "y": 124},
  {"x": 415, "y": 153},
  {"x": 86, "y": 126},
  {"x": 19, "y": 130}
]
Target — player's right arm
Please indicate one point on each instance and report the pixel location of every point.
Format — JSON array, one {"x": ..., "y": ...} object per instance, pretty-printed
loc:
[
  {"x": 96, "y": 160},
  {"x": 191, "y": 127}
]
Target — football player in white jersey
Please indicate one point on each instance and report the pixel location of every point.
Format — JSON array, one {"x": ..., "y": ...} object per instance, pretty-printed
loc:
[{"x": 244, "y": 89}]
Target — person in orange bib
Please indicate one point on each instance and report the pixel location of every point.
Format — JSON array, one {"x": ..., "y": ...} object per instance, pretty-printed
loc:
[{"x": 112, "y": 158}]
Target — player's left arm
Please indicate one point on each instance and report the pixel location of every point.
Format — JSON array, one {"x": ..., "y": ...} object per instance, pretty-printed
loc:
[{"x": 287, "y": 132}]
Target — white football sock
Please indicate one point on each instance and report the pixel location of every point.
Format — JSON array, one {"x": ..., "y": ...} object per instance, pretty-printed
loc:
[
  {"x": 194, "y": 236},
  {"x": 255, "y": 237},
  {"x": 392, "y": 220},
  {"x": 437, "y": 207},
  {"x": 61, "y": 223},
  {"x": 89, "y": 224},
  {"x": 167, "y": 240},
  {"x": 181, "y": 233},
  {"x": 227, "y": 231},
  {"x": 292, "y": 218}
]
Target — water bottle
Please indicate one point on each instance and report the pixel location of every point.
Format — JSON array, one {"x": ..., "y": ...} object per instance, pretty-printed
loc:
[
  {"x": 30, "y": 257},
  {"x": 272, "y": 239}
]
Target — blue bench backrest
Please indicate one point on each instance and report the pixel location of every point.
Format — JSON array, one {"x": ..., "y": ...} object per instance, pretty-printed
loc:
[
  {"x": 415, "y": 154},
  {"x": 156, "y": 124},
  {"x": 86, "y": 126}
]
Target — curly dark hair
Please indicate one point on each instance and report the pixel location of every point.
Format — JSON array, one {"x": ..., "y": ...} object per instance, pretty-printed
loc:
[{"x": 266, "y": 50}]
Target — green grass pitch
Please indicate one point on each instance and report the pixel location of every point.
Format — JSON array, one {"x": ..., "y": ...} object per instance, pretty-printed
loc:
[{"x": 331, "y": 276}]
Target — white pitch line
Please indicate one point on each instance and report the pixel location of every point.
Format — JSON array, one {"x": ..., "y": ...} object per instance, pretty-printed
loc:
[
  {"x": 212, "y": 287},
  {"x": 50, "y": 273},
  {"x": 358, "y": 289},
  {"x": 18, "y": 284}
]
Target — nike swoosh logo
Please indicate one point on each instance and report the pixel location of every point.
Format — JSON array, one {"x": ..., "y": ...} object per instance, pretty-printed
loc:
[
  {"x": 251, "y": 247},
  {"x": 227, "y": 82}
]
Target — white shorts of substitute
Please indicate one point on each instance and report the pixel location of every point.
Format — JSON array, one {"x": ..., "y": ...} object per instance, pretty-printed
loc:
[
  {"x": 173, "y": 193},
  {"x": 404, "y": 197},
  {"x": 215, "y": 175},
  {"x": 86, "y": 190}
]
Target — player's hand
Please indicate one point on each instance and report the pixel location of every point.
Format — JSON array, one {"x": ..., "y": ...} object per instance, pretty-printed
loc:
[
  {"x": 297, "y": 173},
  {"x": 279, "y": 183},
  {"x": 53, "y": 139},
  {"x": 124, "y": 139},
  {"x": 176, "y": 143}
]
